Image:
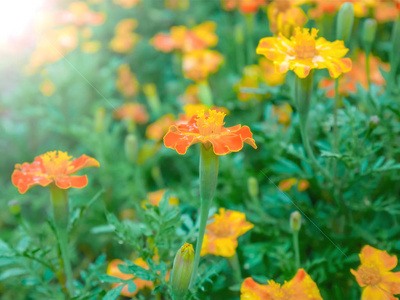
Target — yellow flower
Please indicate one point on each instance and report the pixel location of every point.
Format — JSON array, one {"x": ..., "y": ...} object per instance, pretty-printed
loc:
[
  {"x": 283, "y": 112},
  {"x": 301, "y": 287},
  {"x": 222, "y": 233},
  {"x": 154, "y": 198},
  {"x": 250, "y": 79},
  {"x": 199, "y": 64},
  {"x": 374, "y": 274},
  {"x": 303, "y": 52},
  {"x": 125, "y": 39},
  {"x": 269, "y": 75},
  {"x": 47, "y": 87}
]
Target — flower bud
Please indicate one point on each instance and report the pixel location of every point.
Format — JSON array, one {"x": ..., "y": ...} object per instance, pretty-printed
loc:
[
  {"x": 182, "y": 270},
  {"x": 295, "y": 221},
  {"x": 374, "y": 122},
  {"x": 131, "y": 147},
  {"x": 99, "y": 119},
  {"x": 344, "y": 23},
  {"x": 252, "y": 185},
  {"x": 368, "y": 34},
  {"x": 14, "y": 207}
]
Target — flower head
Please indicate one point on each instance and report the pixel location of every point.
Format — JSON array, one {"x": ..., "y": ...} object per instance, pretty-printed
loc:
[
  {"x": 154, "y": 198},
  {"x": 303, "y": 52},
  {"x": 134, "y": 112},
  {"x": 301, "y": 287},
  {"x": 374, "y": 274},
  {"x": 127, "y": 83},
  {"x": 245, "y": 6},
  {"x": 207, "y": 128},
  {"x": 79, "y": 14},
  {"x": 323, "y": 7},
  {"x": 52, "y": 167},
  {"x": 124, "y": 39},
  {"x": 222, "y": 234},
  {"x": 198, "y": 65}
]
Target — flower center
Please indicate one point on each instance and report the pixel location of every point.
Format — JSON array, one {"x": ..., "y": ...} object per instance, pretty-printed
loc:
[
  {"x": 210, "y": 124},
  {"x": 370, "y": 274},
  {"x": 55, "y": 162},
  {"x": 304, "y": 43},
  {"x": 279, "y": 292}
]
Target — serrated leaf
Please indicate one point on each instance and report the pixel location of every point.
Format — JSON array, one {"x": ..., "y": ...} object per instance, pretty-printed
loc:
[
  {"x": 114, "y": 293},
  {"x": 11, "y": 273},
  {"x": 110, "y": 279}
]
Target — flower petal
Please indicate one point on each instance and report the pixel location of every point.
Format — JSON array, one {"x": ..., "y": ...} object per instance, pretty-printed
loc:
[
  {"x": 25, "y": 180},
  {"x": 66, "y": 182},
  {"x": 251, "y": 290},
  {"x": 82, "y": 162}
]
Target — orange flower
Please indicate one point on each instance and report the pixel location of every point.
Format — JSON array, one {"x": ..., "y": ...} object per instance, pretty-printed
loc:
[
  {"x": 127, "y": 83},
  {"x": 374, "y": 274},
  {"x": 134, "y": 112},
  {"x": 126, "y": 3},
  {"x": 222, "y": 233},
  {"x": 303, "y": 185},
  {"x": 186, "y": 40},
  {"x": 125, "y": 39},
  {"x": 286, "y": 184},
  {"x": 207, "y": 128},
  {"x": 154, "y": 198},
  {"x": 285, "y": 15},
  {"x": 303, "y": 52},
  {"x": 141, "y": 284},
  {"x": 283, "y": 112},
  {"x": 269, "y": 75},
  {"x": 191, "y": 95},
  {"x": 245, "y": 6},
  {"x": 47, "y": 87},
  {"x": 198, "y": 65},
  {"x": 159, "y": 128},
  {"x": 52, "y": 167},
  {"x": 301, "y": 287},
  {"x": 79, "y": 14},
  {"x": 386, "y": 10},
  {"x": 331, "y": 6}
]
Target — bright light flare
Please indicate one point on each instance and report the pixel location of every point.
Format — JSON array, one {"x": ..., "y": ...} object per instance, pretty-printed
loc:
[{"x": 17, "y": 18}]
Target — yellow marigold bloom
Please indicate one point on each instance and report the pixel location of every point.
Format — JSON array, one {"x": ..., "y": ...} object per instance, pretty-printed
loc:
[
  {"x": 127, "y": 83},
  {"x": 47, "y": 87},
  {"x": 198, "y": 65},
  {"x": 270, "y": 76},
  {"x": 303, "y": 52},
  {"x": 125, "y": 39},
  {"x": 283, "y": 112},
  {"x": 222, "y": 233},
  {"x": 301, "y": 287},
  {"x": 191, "y": 94},
  {"x": 285, "y": 15},
  {"x": 374, "y": 274},
  {"x": 154, "y": 198},
  {"x": 126, "y": 3}
]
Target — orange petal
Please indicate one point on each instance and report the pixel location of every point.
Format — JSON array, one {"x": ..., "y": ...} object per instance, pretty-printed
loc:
[
  {"x": 179, "y": 141},
  {"x": 251, "y": 290},
  {"x": 24, "y": 181},
  {"x": 67, "y": 182},
  {"x": 374, "y": 293},
  {"x": 82, "y": 162},
  {"x": 226, "y": 144},
  {"x": 247, "y": 136}
]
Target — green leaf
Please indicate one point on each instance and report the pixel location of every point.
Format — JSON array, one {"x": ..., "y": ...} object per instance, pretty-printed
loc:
[
  {"x": 114, "y": 293},
  {"x": 136, "y": 270},
  {"x": 131, "y": 286},
  {"x": 11, "y": 273},
  {"x": 110, "y": 279}
]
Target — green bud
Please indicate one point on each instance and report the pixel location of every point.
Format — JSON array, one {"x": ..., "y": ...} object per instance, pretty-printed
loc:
[
  {"x": 14, "y": 207},
  {"x": 182, "y": 271},
  {"x": 239, "y": 35},
  {"x": 99, "y": 119},
  {"x": 368, "y": 34},
  {"x": 252, "y": 185},
  {"x": 131, "y": 148},
  {"x": 344, "y": 23},
  {"x": 295, "y": 221},
  {"x": 373, "y": 122}
]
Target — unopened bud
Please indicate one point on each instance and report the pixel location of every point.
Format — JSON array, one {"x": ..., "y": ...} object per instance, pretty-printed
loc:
[
  {"x": 99, "y": 118},
  {"x": 252, "y": 185},
  {"x": 150, "y": 92},
  {"x": 239, "y": 35},
  {"x": 344, "y": 23},
  {"x": 131, "y": 147},
  {"x": 368, "y": 34},
  {"x": 182, "y": 270},
  {"x": 374, "y": 122},
  {"x": 295, "y": 221},
  {"x": 14, "y": 207}
]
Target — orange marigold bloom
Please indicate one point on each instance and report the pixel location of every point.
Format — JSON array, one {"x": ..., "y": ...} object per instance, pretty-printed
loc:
[
  {"x": 301, "y": 287},
  {"x": 285, "y": 15},
  {"x": 134, "y": 112},
  {"x": 331, "y": 6},
  {"x": 154, "y": 198},
  {"x": 222, "y": 233},
  {"x": 126, "y": 3},
  {"x": 141, "y": 284},
  {"x": 159, "y": 128},
  {"x": 52, "y": 167},
  {"x": 283, "y": 112},
  {"x": 124, "y": 39},
  {"x": 245, "y": 6},
  {"x": 374, "y": 274},
  {"x": 79, "y": 14},
  {"x": 127, "y": 83},
  {"x": 303, "y": 52},
  {"x": 47, "y": 87},
  {"x": 198, "y": 65},
  {"x": 207, "y": 128},
  {"x": 286, "y": 184}
]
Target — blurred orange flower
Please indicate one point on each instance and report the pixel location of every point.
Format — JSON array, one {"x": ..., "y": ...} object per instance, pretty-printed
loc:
[
  {"x": 283, "y": 112},
  {"x": 199, "y": 64},
  {"x": 191, "y": 95},
  {"x": 207, "y": 128},
  {"x": 270, "y": 76},
  {"x": 54, "y": 167},
  {"x": 125, "y": 39},
  {"x": 80, "y": 15},
  {"x": 286, "y": 184},
  {"x": 127, "y": 83},
  {"x": 285, "y": 15},
  {"x": 89, "y": 46},
  {"x": 159, "y": 128},
  {"x": 301, "y": 287},
  {"x": 348, "y": 82},
  {"x": 303, "y": 52},
  {"x": 186, "y": 40},
  {"x": 374, "y": 274},
  {"x": 331, "y": 6},
  {"x": 177, "y": 4},
  {"x": 134, "y": 112},
  {"x": 245, "y": 6},
  {"x": 222, "y": 233},
  {"x": 141, "y": 284},
  {"x": 47, "y": 87},
  {"x": 154, "y": 198},
  {"x": 127, "y": 3},
  {"x": 386, "y": 10}
]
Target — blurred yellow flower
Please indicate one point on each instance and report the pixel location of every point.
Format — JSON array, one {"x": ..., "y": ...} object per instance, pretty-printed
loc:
[
  {"x": 198, "y": 65},
  {"x": 375, "y": 276},
  {"x": 156, "y": 131},
  {"x": 80, "y": 15},
  {"x": 286, "y": 184},
  {"x": 222, "y": 233},
  {"x": 89, "y": 46},
  {"x": 283, "y": 112},
  {"x": 126, "y": 3},
  {"x": 270, "y": 76},
  {"x": 126, "y": 83},
  {"x": 154, "y": 198},
  {"x": 303, "y": 52},
  {"x": 47, "y": 87},
  {"x": 124, "y": 39}
]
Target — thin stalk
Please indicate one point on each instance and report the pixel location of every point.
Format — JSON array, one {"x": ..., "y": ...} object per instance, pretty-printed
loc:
[
  {"x": 296, "y": 248},
  {"x": 235, "y": 266},
  {"x": 249, "y": 38},
  {"x": 208, "y": 173},
  {"x": 335, "y": 127},
  {"x": 205, "y": 93},
  {"x": 367, "y": 69}
]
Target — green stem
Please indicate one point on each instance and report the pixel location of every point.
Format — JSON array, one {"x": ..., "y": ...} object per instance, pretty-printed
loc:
[
  {"x": 296, "y": 248},
  {"x": 205, "y": 93},
  {"x": 208, "y": 173},
  {"x": 303, "y": 97},
  {"x": 59, "y": 199},
  {"x": 335, "y": 126},
  {"x": 249, "y": 38},
  {"x": 235, "y": 266},
  {"x": 367, "y": 67}
]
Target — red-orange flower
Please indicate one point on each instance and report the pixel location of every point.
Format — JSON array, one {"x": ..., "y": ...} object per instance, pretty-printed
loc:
[
  {"x": 301, "y": 287},
  {"x": 132, "y": 111},
  {"x": 245, "y": 6},
  {"x": 159, "y": 128},
  {"x": 374, "y": 275},
  {"x": 52, "y": 167},
  {"x": 199, "y": 64},
  {"x": 207, "y": 128}
]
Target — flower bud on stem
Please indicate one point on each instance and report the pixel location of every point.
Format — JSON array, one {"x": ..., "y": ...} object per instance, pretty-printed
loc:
[
  {"x": 295, "y": 225},
  {"x": 182, "y": 271}
]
